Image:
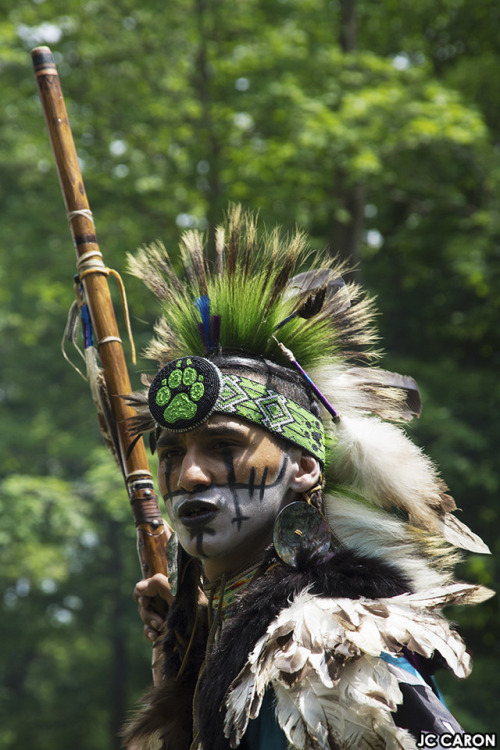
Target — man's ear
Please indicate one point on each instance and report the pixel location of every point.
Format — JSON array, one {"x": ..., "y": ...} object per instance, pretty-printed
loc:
[{"x": 307, "y": 473}]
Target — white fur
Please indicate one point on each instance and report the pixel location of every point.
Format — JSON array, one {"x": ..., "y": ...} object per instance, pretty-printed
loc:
[
  {"x": 377, "y": 534},
  {"x": 377, "y": 460}
]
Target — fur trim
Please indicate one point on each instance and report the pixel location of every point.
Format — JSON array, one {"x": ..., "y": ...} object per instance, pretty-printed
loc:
[
  {"x": 378, "y": 461},
  {"x": 425, "y": 560}
]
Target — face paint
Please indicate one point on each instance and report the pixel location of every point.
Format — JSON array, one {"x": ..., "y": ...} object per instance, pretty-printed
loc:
[{"x": 224, "y": 484}]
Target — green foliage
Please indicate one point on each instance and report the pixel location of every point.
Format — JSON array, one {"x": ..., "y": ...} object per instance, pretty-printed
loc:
[{"x": 383, "y": 147}]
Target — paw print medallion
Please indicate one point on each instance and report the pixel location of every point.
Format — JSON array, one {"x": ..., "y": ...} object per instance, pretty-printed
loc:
[{"x": 184, "y": 393}]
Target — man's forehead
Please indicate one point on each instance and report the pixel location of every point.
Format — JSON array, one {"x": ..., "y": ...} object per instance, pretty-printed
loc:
[{"x": 218, "y": 425}]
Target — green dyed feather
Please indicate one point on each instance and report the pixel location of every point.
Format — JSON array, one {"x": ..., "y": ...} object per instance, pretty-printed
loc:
[{"x": 249, "y": 288}]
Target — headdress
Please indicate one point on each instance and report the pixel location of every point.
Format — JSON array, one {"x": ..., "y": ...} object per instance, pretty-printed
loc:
[{"x": 268, "y": 331}]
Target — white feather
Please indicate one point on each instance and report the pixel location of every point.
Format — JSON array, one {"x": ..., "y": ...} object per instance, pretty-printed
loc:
[
  {"x": 457, "y": 533},
  {"x": 322, "y": 658},
  {"x": 360, "y": 391}
]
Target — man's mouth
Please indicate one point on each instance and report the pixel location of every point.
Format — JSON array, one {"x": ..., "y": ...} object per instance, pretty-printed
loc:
[{"x": 196, "y": 512}]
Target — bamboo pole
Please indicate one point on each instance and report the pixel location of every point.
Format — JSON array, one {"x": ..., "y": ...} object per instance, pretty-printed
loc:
[{"x": 152, "y": 532}]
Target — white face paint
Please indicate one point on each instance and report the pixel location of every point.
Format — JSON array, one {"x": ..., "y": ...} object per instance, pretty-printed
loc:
[{"x": 224, "y": 484}]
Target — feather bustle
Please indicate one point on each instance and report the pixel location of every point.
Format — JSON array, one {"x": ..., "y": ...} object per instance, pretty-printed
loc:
[{"x": 359, "y": 701}]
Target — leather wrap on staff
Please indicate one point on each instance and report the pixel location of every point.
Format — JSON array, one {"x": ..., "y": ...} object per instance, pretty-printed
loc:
[{"x": 151, "y": 530}]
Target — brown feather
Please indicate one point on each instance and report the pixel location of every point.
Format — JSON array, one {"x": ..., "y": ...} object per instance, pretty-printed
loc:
[{"x": 233, "y": 239}]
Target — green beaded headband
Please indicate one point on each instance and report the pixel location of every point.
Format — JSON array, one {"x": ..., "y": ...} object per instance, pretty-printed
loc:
[{"x": 187, "y": 391}]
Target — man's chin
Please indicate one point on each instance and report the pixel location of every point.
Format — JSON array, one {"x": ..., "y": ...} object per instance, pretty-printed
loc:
[{"x": 204, "y": 548}]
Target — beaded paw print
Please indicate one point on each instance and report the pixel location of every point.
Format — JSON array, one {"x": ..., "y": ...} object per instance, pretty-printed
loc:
[{"x": 180, "y": 392}]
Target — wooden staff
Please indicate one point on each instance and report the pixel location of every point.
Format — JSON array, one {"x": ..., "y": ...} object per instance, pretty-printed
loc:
[{"x": 152, "y": 532}]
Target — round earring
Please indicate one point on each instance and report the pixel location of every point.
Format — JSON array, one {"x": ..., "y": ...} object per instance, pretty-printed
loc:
[{"x": 300, "y": 526}]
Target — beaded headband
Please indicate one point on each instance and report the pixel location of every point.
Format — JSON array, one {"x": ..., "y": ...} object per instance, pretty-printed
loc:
[{"x": 187, "y": 391}]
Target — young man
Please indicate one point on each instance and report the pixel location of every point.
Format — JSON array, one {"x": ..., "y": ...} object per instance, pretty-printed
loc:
[{"x": 296, "y": 618}]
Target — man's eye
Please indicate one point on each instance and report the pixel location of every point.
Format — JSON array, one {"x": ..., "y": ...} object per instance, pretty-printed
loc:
[
  {"x": 171, "y": 454},
  {"x": 224, "y": 445}
]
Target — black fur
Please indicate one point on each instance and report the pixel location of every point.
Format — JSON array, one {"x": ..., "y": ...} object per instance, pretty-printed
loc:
[
  {"x": 348, "y": 575},
  {"x": 168, "y": 708}
]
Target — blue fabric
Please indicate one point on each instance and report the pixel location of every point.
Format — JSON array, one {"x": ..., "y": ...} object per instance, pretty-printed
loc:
[
  {"x": 401, "y": 661},
  {"x": 264, "y": 732}
]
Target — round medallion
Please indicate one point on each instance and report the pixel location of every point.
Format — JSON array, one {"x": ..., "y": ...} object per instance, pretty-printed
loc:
[
  {"x": 301, "y": 526},
  {"x": 183, "y": 394}
]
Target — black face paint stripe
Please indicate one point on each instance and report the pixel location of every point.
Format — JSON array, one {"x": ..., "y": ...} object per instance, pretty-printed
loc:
[
  {"x": 234, "y": 485},
  {"x": 231, "y": 480},
  {"x": 199, "y": 544},
  {"x": 168, "y": 472},
  {"x": 199, "y": 534},
  {"x": 251, "y": 481},
  {"x": 262, "y": 488},
  {"x": 229, "y": 464},
  {"x": 281, "y": 472}
]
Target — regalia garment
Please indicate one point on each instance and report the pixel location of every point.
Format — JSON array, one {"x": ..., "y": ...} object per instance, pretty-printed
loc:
[
  {"x": 331, "y": 639},
  {"x": 330, "y": 654}
]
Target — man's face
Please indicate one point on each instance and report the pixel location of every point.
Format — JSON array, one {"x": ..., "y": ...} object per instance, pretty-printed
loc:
[{"x": 224, "y": 484}]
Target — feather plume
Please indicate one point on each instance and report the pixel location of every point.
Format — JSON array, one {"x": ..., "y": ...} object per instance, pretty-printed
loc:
[
  {"x": 381, "y": 381},
  {"x": 100, "y": 397},
  {"x": 378, "y": 461},
  {"x": 364, "y": 391},
  {"x": 309, "y": 282},
  {"x": 250, "y": 290}
]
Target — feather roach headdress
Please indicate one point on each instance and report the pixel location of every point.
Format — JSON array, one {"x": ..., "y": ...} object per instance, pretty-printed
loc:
[{"x": 269, "y": 332}]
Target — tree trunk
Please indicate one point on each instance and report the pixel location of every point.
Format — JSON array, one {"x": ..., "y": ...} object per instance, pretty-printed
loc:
[
  {"x": 208, "y": 134},
  {"x": 348, "y": 25},
  {"x": 345, "y": 236}
]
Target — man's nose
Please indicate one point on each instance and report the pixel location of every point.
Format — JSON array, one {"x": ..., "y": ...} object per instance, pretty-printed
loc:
[{"x": 195, "y": 471}]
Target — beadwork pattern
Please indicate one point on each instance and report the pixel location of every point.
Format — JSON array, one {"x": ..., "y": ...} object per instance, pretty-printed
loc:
[
  {"x": 275, "y": 412},
  {"x": 190, "y": 389}
]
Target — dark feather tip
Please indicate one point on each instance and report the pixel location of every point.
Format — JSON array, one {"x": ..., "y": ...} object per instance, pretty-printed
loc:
[{"x": 313, "y": 303}]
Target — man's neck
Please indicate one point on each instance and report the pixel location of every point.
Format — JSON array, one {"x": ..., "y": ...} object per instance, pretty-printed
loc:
[{"x": 216, "y": 568}]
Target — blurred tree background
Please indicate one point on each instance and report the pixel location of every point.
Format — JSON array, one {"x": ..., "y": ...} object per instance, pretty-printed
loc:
[{"x": 373, "y": 125}]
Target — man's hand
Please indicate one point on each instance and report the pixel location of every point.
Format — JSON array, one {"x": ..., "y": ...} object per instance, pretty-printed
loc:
[{"x": 153, "y": 597}]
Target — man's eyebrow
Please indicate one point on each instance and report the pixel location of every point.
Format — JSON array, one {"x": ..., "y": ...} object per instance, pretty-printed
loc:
[
  {"x": 166, "y": 438},
  {"x": 220, "y": 429}
]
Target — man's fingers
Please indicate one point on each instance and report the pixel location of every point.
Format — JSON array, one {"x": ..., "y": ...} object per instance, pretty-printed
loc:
[
  {"x": 156, "y": 586},
  {"x": 152, "y": 634},
  {"x": 153, "y": 596}
]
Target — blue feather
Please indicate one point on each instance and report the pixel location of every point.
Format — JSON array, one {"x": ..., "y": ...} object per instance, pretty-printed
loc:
[{"x": 203, "y": 305}]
